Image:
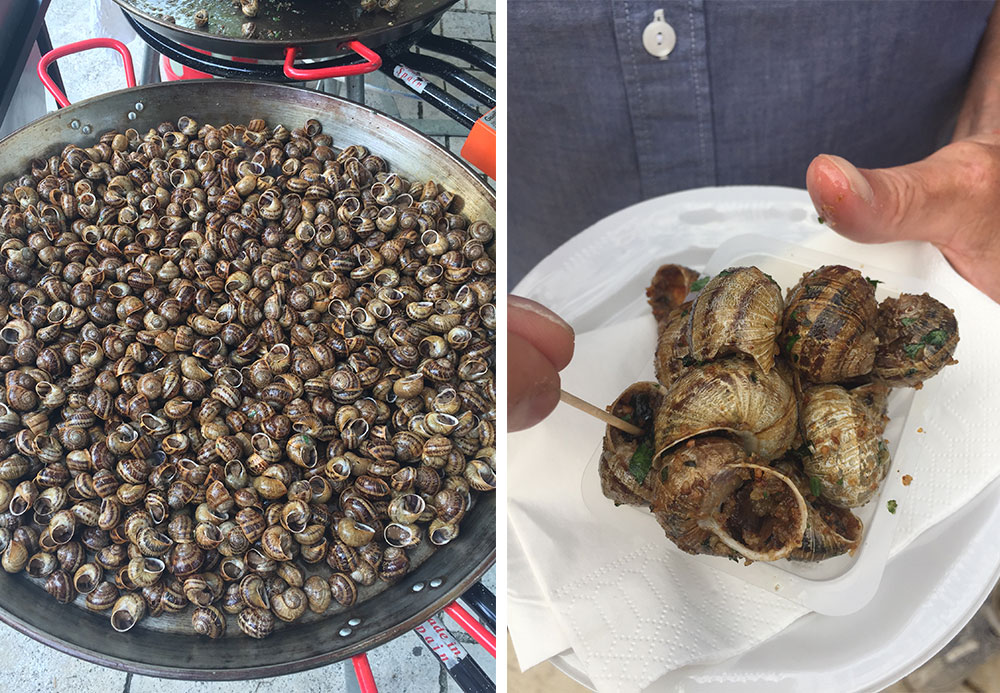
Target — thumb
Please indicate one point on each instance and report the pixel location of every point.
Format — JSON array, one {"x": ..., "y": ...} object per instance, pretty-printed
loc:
[
  {"x": 948, "y": 199},
  {"x": 880, "y": 205}
]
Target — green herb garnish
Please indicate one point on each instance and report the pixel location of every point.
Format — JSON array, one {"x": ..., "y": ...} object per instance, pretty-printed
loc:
[
  {"x": 700, "y": 284},
  {"x": 821, "y": 220},
  {"x": 641, "y": 460},
  {"x": 935, "y": 338},
  {"x": 814, "y": 485},
  {"x": 724, "y": 273},
  {"x": 874, "y": 282},
  {"x": 912, "y": 350},
  {"x": 790, "y": 342},
  {"x": 909, "y": 372},
  {"x": 891, "y": 505},
  {"x": 907, "y": 321}
]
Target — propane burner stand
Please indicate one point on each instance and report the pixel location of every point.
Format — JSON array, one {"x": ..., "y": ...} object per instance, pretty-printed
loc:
[{"x": 397, "y": 62}]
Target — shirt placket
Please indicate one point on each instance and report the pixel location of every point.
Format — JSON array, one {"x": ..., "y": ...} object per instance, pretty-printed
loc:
[{"x": 669, "y": 99}]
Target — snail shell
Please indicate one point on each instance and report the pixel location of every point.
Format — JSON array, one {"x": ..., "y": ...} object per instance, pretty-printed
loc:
[
  {"x": 256, "y": 622},
  {"x": 667, "y": 290},
  {"x": 848, "y": 457},
  {"x": 830, "y": 531},
  {"x": 730, "y": 395},
  {"x": 102, "y": 597},
  {"x": 621, "y": 481},
  {"x": 318, "y": 593},
  {"x": 127, "y": 611},
  {"x": 290, "y": 604},
  {"x": 917, "y": 338},
  {"x": 343, "y": 589},
  {"x": 737, "y": 311},
  {"x": 828, "y": 330},
  {"x": 208, "y": 620},
  {"x": 711, "y": 498}
]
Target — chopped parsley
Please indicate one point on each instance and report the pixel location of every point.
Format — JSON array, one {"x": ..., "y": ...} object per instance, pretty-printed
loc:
[
  {"x": 814, "y": 485},
  {"x": 913, "y": 350},
  {"x": 641, "y": 460},
  {"x": 874, "y": 282},
  {"x": 891, "y": 505},
  {"x": 689, "y": 361},
  {"x": 909, "y": 372},
  {"x": 724, "y": 273},
  {"x": 790, "y": 342},
  {"x": 907, "y": 321},
  {"x": 821, "y": 220},
  {"x": 700, "y": 284},
  {"x": 935, "y": 338}
]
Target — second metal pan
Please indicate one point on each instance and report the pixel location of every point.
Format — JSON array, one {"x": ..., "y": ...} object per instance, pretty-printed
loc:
[{"x": 317, "y": 29}]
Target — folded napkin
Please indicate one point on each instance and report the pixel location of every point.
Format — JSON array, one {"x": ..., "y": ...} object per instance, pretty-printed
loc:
[{"x": 600, "y": 580}]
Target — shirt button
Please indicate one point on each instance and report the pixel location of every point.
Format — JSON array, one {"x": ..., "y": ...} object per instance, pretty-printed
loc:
[{"x": 659, "y": 38}]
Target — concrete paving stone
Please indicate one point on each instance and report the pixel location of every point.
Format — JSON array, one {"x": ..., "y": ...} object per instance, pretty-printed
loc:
[
  {"x": 488, "y": 46},
  {"x": 455, "y": 144},
  {"x": 407, "y": 107},
  {"x": 467, "y": 25},
  {"x": 481, "y": 5},
  {"x": 328, "y": 679},
  {"x": 408, "y": 667},
  {"x": 30, "y": 667}
]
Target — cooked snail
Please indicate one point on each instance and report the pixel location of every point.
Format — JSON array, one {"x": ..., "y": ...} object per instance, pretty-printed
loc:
[
  {"x": 917, "y": 338},
  {"x": 738, "y": 311},
  {"x": 716, "y": 463},
  {"x": 828, "y": 331},
  {"x": 731, "y": 395}
]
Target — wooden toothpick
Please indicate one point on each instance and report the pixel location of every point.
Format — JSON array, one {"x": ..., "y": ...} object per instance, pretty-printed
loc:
[{"x": 599, "y": 413}]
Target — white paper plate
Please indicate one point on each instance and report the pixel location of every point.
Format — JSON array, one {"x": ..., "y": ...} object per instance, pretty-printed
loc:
[{"x": 928, "y": 592}]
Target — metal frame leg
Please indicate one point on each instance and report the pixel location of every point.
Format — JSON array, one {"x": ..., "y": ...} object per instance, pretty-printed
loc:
[{"x": 356, "y": 89}]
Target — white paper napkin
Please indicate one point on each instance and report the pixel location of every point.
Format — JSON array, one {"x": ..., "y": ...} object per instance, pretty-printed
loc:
[{"x": 632, "y": 610}]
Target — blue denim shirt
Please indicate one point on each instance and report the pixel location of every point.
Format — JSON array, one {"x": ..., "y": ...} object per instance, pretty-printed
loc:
[{"x": 752, "y": 91}]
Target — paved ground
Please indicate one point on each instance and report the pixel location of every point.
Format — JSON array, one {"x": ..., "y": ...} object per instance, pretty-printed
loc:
[{"x": 404, "y": 665}]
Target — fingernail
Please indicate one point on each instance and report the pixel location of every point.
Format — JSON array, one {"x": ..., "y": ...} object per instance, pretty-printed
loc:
[
  {"x": 855, "y": 181},
  {"x": 537, "y": 309}
]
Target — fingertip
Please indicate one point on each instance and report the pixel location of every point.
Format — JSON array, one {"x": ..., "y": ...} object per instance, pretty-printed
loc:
[
  {"x": 549, "y": 333},
  {"x": 842, "y": 196},
  {"x": 532, "y": 384}
]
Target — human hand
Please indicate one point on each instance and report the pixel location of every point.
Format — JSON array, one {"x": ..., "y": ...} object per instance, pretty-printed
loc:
[
  {"x": 539, "y": 345},
  {"x": 950, "y": 199}
]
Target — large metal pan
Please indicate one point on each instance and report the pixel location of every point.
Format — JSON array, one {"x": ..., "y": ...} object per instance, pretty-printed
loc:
[
  {"x": 165, "y": 647},
  {"x": 317, "y": 29}
]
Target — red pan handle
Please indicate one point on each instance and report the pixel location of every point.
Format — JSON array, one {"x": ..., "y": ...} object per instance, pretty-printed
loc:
[
  {"x": 373, "y": 62},
  {"x": 473, "y": 627},
  {"x": 363, "y": 670},
  {"x": 79, "y": 46}
]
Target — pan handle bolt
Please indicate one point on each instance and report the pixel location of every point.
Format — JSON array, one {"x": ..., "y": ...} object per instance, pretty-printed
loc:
[
  {"x": 75, "y": 124},
  {"x": 86, "y": 129},
  {"x": 436, "y": 582},
  {"x": 344, "y": 632},
  {"x": 131, "y": 115},
  {"x": 417, "y": 586},
  {"x": 139, "y": 106},
  {"x": 354, "y": 622}
]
